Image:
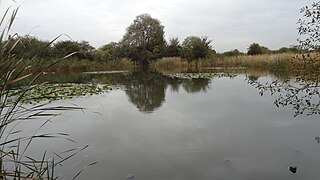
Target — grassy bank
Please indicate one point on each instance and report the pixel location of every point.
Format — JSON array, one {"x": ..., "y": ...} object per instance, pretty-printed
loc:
[{"x": 270, "y": 62}]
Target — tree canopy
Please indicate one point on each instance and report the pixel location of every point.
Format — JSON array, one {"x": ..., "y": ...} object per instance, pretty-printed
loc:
[
  {"x": 194, "y": 47},
  {"x": 29, "y": 47},
  {"x": 144, "y": 39},
  {"x": 82, "y": 49},
  {"x": 256, "y": 49},
  {"x": 173, "y": 48}
]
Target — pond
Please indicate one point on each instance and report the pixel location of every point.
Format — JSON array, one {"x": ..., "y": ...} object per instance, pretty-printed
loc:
[{"x": 183, "y": 126}]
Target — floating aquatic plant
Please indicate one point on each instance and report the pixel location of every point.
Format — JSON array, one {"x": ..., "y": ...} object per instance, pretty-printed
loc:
[
  {"x": 54, "y": 92},
  {"x": 199, "y": 75}
]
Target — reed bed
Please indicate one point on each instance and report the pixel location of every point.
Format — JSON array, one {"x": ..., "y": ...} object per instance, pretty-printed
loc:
[{"x": 267, "y": 62}]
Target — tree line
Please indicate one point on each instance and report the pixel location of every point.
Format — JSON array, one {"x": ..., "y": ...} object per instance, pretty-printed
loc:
[{"x": 143, "y": 42}]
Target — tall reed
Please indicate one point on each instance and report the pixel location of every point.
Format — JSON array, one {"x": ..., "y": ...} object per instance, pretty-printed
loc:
[
  {"x": 14, "y": 163},
  {"x": 266, "y": 62}
]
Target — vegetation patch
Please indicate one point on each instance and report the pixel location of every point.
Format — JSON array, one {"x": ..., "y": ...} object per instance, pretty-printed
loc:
[
  {"x": 200, "y": 75},
  {"x": 54, "y": 92}
]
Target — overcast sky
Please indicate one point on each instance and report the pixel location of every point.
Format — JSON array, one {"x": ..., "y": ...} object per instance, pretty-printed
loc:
[{"x": 230, "y": 24}]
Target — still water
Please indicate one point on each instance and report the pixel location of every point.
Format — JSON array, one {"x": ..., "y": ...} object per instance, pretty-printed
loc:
[{"x": 155, "y": 126}]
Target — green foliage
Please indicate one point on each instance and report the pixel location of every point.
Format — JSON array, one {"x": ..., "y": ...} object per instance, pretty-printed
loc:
[
  {"x": 194, "y": 47},
  {"x": 173, "y": 49},
  {"x": 83, "y": 49},
  {"x": 86, "y": 50},
  {"x": 144, "y": 40},
  {"x": 309, "y": 27},
  {"x": 108, "y": 52},
  {"x": 291, "y": 49},
  {"x": 63, "y": 48},
  {"x": 283, "y": 50},
  {"x": 256, "y": 49},
  {"x": 234, "y": 52},
  {"x": 309, "y": 41},
  {"x": 29, "y": 47}
]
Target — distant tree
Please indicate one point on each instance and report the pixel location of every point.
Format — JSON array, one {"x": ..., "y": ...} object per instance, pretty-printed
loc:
[
  {"x": 64, "y": 48},
  {"x": 173, "y": 48},
  {"x": 234, "y": 52},
  {"x": 86, "y": 50},
  {"x": 144, "y": 39},
  {"x": 29, "y": 47},
  {"x": 194, "y": 47},
  {"x": 82, "y": 49},
  {"x": 256, "y": 49},
  {"x": 294, "y": 49},
  {"x": 108, "y": 52},
  {"x": 283, "y": 50}
]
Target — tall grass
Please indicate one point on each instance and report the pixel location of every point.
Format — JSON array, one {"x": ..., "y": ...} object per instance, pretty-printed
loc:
[
  {"x": 169, "y": 63},
  {"x": 14, "y": 163},
  {"x": 266, "y": 62}
]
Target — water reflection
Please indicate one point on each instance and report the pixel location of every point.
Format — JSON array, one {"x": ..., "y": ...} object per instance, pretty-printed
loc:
[
  {"x": 195, "y": 85},
  {"x": 225, "y": 133},
  {"x": 301, "y": 93},
  {"x": 145, "y": 90}
]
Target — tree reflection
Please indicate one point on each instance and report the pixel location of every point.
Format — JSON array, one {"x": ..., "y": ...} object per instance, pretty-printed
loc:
[
  {"x": 146, "y": 90},
  {"x": 196, "y": 85},
  {"x": 301, "y": 93},
  {"x": 253, "y": 77}
]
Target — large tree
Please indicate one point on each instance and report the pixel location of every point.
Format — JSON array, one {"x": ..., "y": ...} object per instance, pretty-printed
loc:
[{"x": 144, "y": 39}]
